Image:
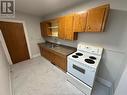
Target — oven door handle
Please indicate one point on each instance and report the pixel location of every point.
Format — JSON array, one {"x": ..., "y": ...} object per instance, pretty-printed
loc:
[{"x": 79, "y": 69}]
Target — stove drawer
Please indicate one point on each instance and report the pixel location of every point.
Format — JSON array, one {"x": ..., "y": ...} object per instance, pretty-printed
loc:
[{"x": 82, "y": 73}]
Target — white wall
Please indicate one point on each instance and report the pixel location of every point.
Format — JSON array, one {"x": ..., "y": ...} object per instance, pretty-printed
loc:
[
  {"x": 33, "y": 30},
  {"x": 122, "y": 86},
  {"x": 113, "y": 39},
  {"x": 4, "y": 74}
]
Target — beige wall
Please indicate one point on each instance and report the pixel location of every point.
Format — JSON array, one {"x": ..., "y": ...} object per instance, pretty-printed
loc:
[
  {"x": 4, "y": 74},
  {"x": 122, "y": 86},
  {"x": 33, "y": 30},
  {"x": 34, "y": 36},
  {"x": 113, "y": 39}
]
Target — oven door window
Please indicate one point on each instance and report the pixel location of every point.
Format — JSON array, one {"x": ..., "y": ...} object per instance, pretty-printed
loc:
[{"x": 78, "y": 69}]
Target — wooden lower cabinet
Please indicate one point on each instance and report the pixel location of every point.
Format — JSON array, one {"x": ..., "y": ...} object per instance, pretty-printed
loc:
[
  {"x": 56, "y": 59},
  {"x": 47, "y": 54}
]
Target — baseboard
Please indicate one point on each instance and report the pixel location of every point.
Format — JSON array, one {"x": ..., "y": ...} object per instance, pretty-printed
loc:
[
  {"x": 36, "y": 55},
  {"x": 111, "y": 90},
  {"x": 106, "y": 83}
]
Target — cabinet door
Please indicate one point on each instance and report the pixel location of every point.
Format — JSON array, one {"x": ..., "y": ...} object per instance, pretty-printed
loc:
[
  {"x": 44, "y": 52},
  {"x": 47, "y": 54},
  {"x": 61, "y": 27},
  {"x": 45, "y": 31},
  {"x": 96, "y": 19},
  {"x": 60, "y": 62},
  {"x": 80, "y": 22},
  {"x": 69, "y": 27},
  {"x": 65, "y": 24}
]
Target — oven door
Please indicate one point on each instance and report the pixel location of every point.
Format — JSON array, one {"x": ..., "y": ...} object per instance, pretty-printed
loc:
[{"x": 81, "y": 72}]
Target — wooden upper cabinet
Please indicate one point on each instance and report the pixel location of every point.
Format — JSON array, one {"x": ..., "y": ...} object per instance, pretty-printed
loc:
[
  {"x": 45, "y": 31},
  {"x": 67, "y": 27},
  {"x": 66, "y": 31},
  {"x": 96, "y": 19},
  {"x": 61, "y": 27},
  {"x": 69, "y": 34},
  {"x": 80, "y": 22},
  {"x": 49, "y": 28}
]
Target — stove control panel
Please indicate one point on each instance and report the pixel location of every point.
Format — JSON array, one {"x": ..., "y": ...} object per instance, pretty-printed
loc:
[{"x": 90, "y": 49}]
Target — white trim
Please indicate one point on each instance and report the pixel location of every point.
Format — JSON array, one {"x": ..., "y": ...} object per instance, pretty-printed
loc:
[
  {"x": 5, "y": 48},
  {"x": 12, "y": 20},
  {"x": 36, "y": 55},
  {"x": 26, "y": 36},
  {"x": 106, "y": 83},
  {"x": 27, "y": 39},
  {"x": 111, "y": 90}
]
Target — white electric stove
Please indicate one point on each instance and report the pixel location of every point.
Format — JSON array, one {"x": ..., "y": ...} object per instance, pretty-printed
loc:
[{"x": 82, "y": 66}]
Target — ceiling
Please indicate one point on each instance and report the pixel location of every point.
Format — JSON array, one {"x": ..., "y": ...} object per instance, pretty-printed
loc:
[{"x": 44, "y": 7}]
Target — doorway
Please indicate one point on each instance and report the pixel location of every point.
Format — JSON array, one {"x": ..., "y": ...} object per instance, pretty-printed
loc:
[{"x": 14, "y": 36}]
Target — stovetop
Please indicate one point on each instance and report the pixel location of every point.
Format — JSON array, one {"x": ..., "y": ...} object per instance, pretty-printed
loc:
[{"x": 86, "y": 58}]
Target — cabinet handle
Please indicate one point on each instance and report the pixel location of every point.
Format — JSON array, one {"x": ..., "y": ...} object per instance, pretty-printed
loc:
[
  {"x": 81, "y": 70},
  {"x": 88, "y": 27}
]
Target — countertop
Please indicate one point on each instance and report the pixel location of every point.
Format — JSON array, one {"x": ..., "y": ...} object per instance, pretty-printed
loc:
[{"x": 61, "y": 49}]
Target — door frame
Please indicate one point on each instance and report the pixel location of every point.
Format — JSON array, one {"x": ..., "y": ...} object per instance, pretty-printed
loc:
[{"x": 4, "y": 43}]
